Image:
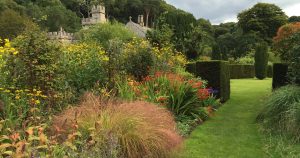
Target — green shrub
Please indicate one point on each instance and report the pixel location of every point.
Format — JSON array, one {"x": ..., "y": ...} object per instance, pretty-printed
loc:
[
  {"x": 261, "y": 61},
  {"x": 280, "y": 72},
  {"x": 139, "y": 63},
  {"x": 247, "y": 60},
  {"x": 183, "y": 97},
  {"x": 103, "y": 33},
  {"x": 216, "y": 73},
  {"x": 241, "y": 71},
  {"x": 282, "y": 113},
  {"x": 83, "y": 65}
]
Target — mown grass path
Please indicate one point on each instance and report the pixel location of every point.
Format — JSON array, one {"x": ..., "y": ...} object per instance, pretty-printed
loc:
[{"x": 232, "y": 132}]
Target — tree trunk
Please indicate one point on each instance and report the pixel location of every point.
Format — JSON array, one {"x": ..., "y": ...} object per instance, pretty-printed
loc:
[{"x": 147, "y": 17}]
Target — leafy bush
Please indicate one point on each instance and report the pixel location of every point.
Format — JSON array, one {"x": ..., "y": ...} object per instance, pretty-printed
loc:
[
  {"x": 183, "y": 97},
  {"x": 83, "y": 65},
  {"x": 138, "y": 59},
  {"x": 103, "y": 33},
  {"x": 282, "y": 112},
  {"x": 285, "y": 40},
  {"x": 261, "y": 61},
  {"x": 113, "y": 129},
  {"x": 149, "y": 59},
  {"x": 246, "y": 60}
]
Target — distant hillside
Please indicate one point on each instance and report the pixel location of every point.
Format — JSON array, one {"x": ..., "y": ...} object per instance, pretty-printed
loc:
[{"x": 53, "y": 14}]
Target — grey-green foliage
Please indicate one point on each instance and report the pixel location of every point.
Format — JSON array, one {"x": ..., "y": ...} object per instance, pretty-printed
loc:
[
  {"x": 282, "y": 112},
  {"x": 103, "y": 33},
  {"x": 261, "y": 61}
]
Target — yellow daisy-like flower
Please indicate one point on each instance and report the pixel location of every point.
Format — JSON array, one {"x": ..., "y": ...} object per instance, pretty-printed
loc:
[
  {"x": 38, "y": 93},
  {"x": 17, "y": 97},
  {"x": 105, "y": 58},
  {"x": 15, "y": 53},
  {"x": 37, "y": 102}
]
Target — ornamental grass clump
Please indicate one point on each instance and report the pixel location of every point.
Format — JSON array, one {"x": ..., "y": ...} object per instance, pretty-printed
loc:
[
  {"x": 129, "y": 130},
  {"x": 282, "y": 114}
]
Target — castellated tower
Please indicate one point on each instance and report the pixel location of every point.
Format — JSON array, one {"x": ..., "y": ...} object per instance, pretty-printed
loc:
[
  {"x": 141, "y": 20},
  {"x": 98, "y": 16},
  {"x": 61, "y": 36}
]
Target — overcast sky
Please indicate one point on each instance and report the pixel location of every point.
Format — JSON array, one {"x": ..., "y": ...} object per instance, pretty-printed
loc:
[{"x": 220, "y": 11}]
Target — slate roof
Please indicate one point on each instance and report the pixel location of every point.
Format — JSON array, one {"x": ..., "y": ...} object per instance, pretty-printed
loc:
[{"x": 139, "y": 30}]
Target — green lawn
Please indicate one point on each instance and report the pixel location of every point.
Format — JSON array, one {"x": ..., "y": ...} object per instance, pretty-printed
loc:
[{"x": 232, "y": 132}]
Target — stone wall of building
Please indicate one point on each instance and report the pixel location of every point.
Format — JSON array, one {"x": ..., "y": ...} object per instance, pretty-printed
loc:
[
  {"x": 62, "y": 36},
  {"x": 98, "y": 16}
]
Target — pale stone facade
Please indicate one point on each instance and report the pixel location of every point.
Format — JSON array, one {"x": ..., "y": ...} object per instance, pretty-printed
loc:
[
  {"x": 61, "y": 36},
  {"x": 98, "y": 16}
]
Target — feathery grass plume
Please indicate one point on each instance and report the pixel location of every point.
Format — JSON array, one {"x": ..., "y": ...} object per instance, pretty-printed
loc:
[{"x": 129, "y": 130}]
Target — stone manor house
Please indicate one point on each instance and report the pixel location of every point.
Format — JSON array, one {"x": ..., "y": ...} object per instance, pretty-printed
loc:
[{"x": 98, "y": 17}]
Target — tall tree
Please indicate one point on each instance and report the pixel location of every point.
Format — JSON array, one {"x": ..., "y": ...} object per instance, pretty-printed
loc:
[
  {"x": 263, "y": 18},
  {"x": 150, "y": 6}
]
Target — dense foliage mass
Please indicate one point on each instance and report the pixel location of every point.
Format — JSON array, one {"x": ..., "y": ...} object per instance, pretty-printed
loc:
[
  {"x": 40, "y": 77},
  {"x": 282, "y": 112},
  {"x": 263, "y": 18},
  {"x": 67, "y": 99}
]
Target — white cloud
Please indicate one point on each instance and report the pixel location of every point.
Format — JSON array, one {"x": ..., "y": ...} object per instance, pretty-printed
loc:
[
  {"x": 218, "y": 11},
  {"x": 293, "y": 10}
]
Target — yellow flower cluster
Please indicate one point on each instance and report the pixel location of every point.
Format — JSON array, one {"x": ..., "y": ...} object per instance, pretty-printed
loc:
[
  {"x": 7, "y": 48},
  {"x": 163, "y": 55},
  {"x": 82, "y": 51},
  {"x": 33, "y": 97}
]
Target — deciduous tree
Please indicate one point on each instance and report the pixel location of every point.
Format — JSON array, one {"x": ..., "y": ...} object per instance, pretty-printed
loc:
[{"x": 263, "y": 18}]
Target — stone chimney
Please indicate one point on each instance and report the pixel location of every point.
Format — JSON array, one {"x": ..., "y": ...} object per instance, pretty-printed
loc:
[{"x": 141, "y": 20}]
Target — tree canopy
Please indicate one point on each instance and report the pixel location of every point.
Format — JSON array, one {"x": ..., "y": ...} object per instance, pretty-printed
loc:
[{"x": 263, "y": 18}]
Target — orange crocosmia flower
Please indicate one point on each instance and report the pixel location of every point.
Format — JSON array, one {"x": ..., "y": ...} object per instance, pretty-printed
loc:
[
  {"x": 161, "y": 99},
  {"x": 131, "y": 83},
  {"x": 191, "y": 82},
  {"x": 197, "y": 84},
  {"x": 203, "y": 94},
  {"x": 145, "y": 97},
  {"x": 158, "y": 74},
  {"x": 15, "y": 136},
  {"x": 29, "y": 131},
  {"x": 148, "y": 78}
]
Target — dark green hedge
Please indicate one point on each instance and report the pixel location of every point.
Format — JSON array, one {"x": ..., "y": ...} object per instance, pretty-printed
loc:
[
  {"x": 238, "y": 71},
  {"x": 217, "y": 73},
  {"x": 280, "y": 72}
]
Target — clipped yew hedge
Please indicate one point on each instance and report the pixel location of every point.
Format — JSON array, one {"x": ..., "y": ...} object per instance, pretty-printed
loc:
[
  {"x": 280, "y": 72},
  {"x": 217, "y": 73},
  {"x": 239, "y": 71}
]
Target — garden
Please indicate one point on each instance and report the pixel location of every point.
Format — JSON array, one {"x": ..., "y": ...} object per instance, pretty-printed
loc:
[{"x": 186, "y": 90}]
